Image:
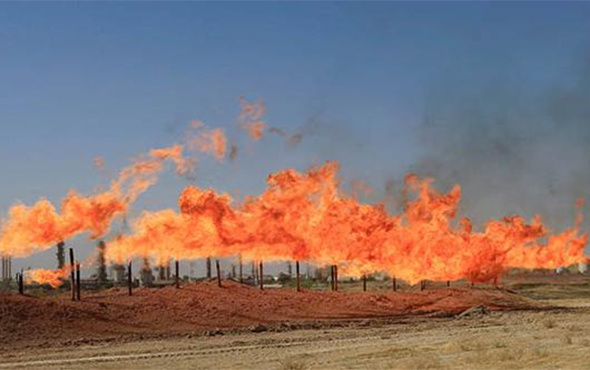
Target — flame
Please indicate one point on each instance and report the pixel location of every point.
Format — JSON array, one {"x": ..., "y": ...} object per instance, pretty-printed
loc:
[
  {"x": 250, "y": 118},
  {"x": 31, "y": 229},
  {"x": 209, "y": 141},
  {"x": 304, "y": 216},
  {"x": 300, "y": 216},
  {"x": 54, "y": 278}
]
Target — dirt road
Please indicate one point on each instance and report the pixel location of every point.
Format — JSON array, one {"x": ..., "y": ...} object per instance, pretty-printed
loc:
[{"x": 549, "y": 339}]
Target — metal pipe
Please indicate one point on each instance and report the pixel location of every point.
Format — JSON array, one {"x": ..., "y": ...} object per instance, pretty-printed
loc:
[
  {"x": 78, "y": 285},
  {"x": 364, "y": 283},
  {"x": 332, "y": 277},
  {"x": 177, "y": 270},
  {"x": 129, "y": 279},
  {"x": 21, "y": 285},
  {"x": 261, "y": 276},
  {"x": 218, "y": 273},
  {"x": 394, "y": 284},
  {"x": 208, "y": 265},
  {"x": 298, "y": 276},
  {"x": 72, "y": 274},
  {"x": 241, "y": 270}
]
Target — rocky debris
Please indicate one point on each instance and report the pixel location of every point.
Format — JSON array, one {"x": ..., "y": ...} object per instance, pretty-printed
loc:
[
  {"x": 214, "y": 332},
  {"x": 258, "y": 328},
  {"x": 475, "y": 311}
]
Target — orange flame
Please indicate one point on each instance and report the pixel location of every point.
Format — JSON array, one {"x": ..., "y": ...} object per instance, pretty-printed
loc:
[
  {"x": 304, "y": 216},
  {"x": 36, "y": 228},
  {"x": 209, "y": 141},
  {"x": 54, "y": 278},
  {"x": 250, "y": 118}
]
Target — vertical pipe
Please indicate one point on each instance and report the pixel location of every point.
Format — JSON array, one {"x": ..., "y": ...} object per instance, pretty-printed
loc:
[
  {"x": 394, "y": 284},
  {"x": 422, "y": 285},
  {"x": 129, "y": 279},
  {"x": 78, "y": 285},
  {"x": 261, "y": 276},
  {"x": 72, "y": 274},
  {"x": 241, "y": 270},
  {"x": 21, "y": 285},
  {"x": 177, "y": 271},
  {"x": 298, "y": 276},
  {"x": 332, "y": 276},
  {"x": 336, "y": 275},
  {"x": 218, "y": 273},
  {"x": 364, "y": 283},
  {"x": 208, "y": 265},
  {"x": 448, "y": 283}
]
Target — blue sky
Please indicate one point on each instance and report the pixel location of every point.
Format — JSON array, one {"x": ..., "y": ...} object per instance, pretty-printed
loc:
[{"x": 79, "y": 80}]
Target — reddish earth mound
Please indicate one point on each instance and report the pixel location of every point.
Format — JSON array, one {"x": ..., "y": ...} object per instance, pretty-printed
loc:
[{"x": 196, "y": 307}]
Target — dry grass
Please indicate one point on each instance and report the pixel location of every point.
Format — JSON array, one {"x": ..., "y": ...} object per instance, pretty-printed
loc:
[
  {"x": 424, "y": 362},
  {"x": 549, "y": 324},
  {"x": 566, "y": 339},
  {"x": 293, "y": 363}
]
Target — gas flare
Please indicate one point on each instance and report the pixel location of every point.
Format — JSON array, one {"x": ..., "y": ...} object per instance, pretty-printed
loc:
[
  {"x": 54, "y": 278},
  {"x": 31, "y": 229},
  {"x": 304, "y": 216}
]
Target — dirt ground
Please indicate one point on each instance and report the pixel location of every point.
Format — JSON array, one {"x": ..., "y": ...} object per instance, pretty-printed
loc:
[{"x": 538, "y": 322}]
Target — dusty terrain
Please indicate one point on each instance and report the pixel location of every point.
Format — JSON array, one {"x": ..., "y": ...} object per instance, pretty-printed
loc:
[{"x": 201, "y": 326}]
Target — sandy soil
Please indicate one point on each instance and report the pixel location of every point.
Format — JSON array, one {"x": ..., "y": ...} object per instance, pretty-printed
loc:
[
  {"x": 524, "y": 339},
  {"x": 199, "y": 308},
  {"x": 241, "y": 327}
]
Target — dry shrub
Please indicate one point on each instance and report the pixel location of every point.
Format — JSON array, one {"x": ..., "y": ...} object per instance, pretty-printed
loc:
[
  {"x": 424, "y": 362},
  {"x": 499, "y": 344},
  {"x": 549, "y": 324},
  {"x": 574, "y": 328},
  {"x": 292, "y": 363},
  {"x": 455, "y": 346}
]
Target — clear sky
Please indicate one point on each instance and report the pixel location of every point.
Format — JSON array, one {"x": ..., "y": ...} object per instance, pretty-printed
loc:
[{"x": 361, "y": 80}]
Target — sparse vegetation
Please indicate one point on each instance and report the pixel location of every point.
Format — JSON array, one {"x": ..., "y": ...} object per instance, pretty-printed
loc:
[
  {"x": 566, "y": 339},
  {"x": 549, "y": 323},
  {"x": 292, "y": 363}
]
